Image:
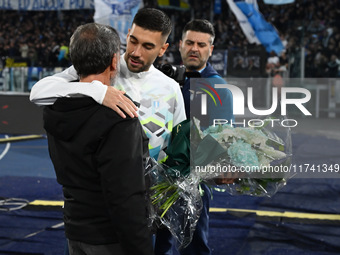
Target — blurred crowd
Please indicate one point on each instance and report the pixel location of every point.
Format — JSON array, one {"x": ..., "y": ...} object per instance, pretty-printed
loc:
[
  {"x": 314, "y": 25},
  {"x": 41, "y": 38}
]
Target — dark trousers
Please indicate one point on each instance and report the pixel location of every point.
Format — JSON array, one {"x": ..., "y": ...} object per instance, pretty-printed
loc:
[
  {"x": 199, "y": 243},
  {"x": 80, "y": 248}
]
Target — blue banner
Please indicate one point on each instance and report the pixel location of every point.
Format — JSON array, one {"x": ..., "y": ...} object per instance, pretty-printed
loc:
[
  {"x": 264, "y": 31},
  {"x": 218, "y": 61},
  {"x": 217, "y": 7}
]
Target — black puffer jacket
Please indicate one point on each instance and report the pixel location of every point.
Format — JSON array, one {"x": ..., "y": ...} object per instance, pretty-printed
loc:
[{"x": 98, "y": 159}]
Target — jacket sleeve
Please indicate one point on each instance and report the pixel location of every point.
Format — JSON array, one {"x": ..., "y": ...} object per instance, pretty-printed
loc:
[
  {"x": 47, "y": 90},
  {"x": 120, "y": 163}
]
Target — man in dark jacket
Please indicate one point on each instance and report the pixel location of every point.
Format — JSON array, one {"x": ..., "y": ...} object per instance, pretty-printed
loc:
[
  {"x": 99, "y": 157},
  {"x": 196, "y": 47}
]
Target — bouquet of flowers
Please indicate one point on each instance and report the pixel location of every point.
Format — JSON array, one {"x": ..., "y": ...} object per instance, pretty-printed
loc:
[
  {"x": 175, "y": 201},
  {"x": 256, "y": 158},
  {"x": 175, "y": 192}
]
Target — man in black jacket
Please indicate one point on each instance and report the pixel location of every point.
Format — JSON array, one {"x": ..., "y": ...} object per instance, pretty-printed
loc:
[
  {"x": 98, "y": 157},
  {"x": 196, "y": 46}
]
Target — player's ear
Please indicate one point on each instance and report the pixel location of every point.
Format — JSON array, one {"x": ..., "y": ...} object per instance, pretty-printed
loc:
[
  {"x": 211, "y": 50},
  {"x": 114, "y": 65},
  {"x": 163, "y": 49}
]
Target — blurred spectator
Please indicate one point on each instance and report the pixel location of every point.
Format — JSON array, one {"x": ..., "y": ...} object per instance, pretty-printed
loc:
[
  {"x": 273, "y": 63},
  {"x": 333, "y": 66},
  {"x": 63, "y": 58},
  {"x": 32, "y": 56},
  {"x": 23, "y": 50}
]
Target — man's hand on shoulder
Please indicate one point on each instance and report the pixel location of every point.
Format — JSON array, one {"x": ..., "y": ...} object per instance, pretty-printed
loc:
[{"x": 116, "y": 100}]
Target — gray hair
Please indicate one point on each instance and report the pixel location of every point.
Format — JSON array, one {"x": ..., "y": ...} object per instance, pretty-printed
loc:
[{"x": 92, "y": 47}]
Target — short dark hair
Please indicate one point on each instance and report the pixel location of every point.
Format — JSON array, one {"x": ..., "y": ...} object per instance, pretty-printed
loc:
[
  {"x": 153, "y": 20},
  {"x": 200, "y": 25},
  {"x": 92, "y": 47}
]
